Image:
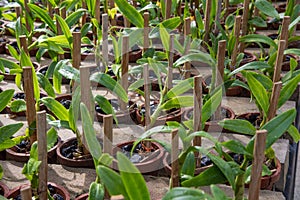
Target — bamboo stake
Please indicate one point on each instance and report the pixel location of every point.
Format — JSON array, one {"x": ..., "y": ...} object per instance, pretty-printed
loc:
[
  {"x": 174, "y": 159},
  {"x": 226, "y": 8},
  {"x": 245, "y": 22},
  {"x": 83, "y": 18},
  {"x": 105, "y": 39},
  {"x": 27, "y": 11},
  {"x": 112, "y": 5},
  {"x": 26, "y": 192},
  {"x": 124, "y": 68},
  {"x": 279, "y": 59},
  {"x": 217, "y": 18},
  {"x": 108, "y": 134},
  {"x": 29, "y": 98},
  {"x": 220, "y": 73},
  {"x": 18, "y": 11},
  {"x": 147, "y": 96},
  {"x": 284, "y": 34},
  {"x": 274, "y": 100},
  {"x": 170, "y": 63},
  {"x": 86, "y": 95},
  {"x": 187, "y": 32},
  {"x": 126, "y": 22},
  {"x": 259, "y": 156},
  {"x": 168, "y": 8},
  {"x": 50, "y": 9},
  {"x": 235, "y": 52},
  {"x": 76, "y": 58},
  {"x": 23, "y": 43},
  {"x": 97, "y": 17},
  {"x": 42, "y": 153},
  {"x": 197, "y": 117},
  {"x": 63, "y": 13},
  {"x": 146, "y": 31},
  {"x": 207, "y": 20}
]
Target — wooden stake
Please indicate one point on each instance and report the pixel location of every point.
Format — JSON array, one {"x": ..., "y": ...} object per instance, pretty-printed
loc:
[
  {"x": 63, "y": 13},
  {"x": 126, "y": 22},
  {"x": 226, "y": 8},
  {"x": 97, "y": 10},
  {"x": 259, "y": 156},
  {"x": 187, "y": 32},
  {"x": 42, "y": 153},
  {"x": 168, "y": 8},
  {"x": 105, "y": 39},
  {"x": 274, "y": 100},
  {"x": 27, "y": 11},
  {"x": 174, "y": 159},
  {"x": 220, "y": 73},
  {"x": 245, "y": 22},
  {"x": 297, "y": 120},
  {"x": 83, "y": 18},
  {"x": 124, "y": 67},
  {"x": 284, "y": 34},
  {"x": 18, "y": 11},
  {"x": 86, "y": 97},
  {"x": 76, "y": 58},
  {"x": 217, "y": 18},
  {"x": 108, "y": 134},
  {"x": 197, "y": 107},
  {"x": 111, "y": 4},
  {"x": 147, "y": 95},
  {"x": 235, "y": 52},
  {"x": 50, "y": 9},
  {"x": 279, "y": 59},
  {"x": 146, "y": 31},
  {"x": 29, "y": 98},
  {"x": 197, "y": 3},
  {"x": 26, "y": 193},
  {"x": 23, "y": 43},
  {"x": 170, "y": 63},
  {"x": 207, "y": 19}
]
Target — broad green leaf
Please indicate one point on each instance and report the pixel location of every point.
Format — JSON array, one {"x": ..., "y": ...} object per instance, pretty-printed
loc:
[
  {"x": 165, "y": 38},
  {"x": 218, "y": 194},
  {"x": 112, "y": 181},
  {"x": 9, "y": 64},
  {"x": 294, "y": 23},
  {"x": 211, "y": 105},
  {"x": 96, "y": 191},
  {"x": 267, "y": 8},
  {"x": 70, "y": 72},
  {"x": 74, "y": 17},
  {"x": 294, "y": 133},
  {"x": 91, "y": 7},
  {"x": 132, "y": 179},
  {"x": 45, "y": 84},
  {"x": 5, "y": 98},
  {"x": 65, "y": 29},
  {"x": 287, "y": 90},
  {"x": 13, "y": 52},
  {"x": 43, "y": 14},
  {"x": 74, "y": 109},
  {"x": 180, "y": 88},
  {"x": 51, "y": 138},
  {"x": 197, "y": 57},
  {"x": 105, "y": 106},
  {"x": 130, "y": 13},
  {"x": 236, "y": 147},
  {"x": 259, "y": 92},
  {"x": 172, "y": 23},
  {"x": 292, "y": 51},
  {"x": 181, "y": 193},
  {"x": 8, "y": 131},
  {"x": 238, "y": 126},
  {"x": 256, "y": 65},
  {"x": 189, "y": 164},
  {"x": 190, "y": 137},
  {"x": 258, "y": 38},
  {"x": 178, "y": 102},
  {"x": 56, "y": 108},
  {"x": 18, "y": 105},
  {"x": 89, "y": 133},
  {"x": 111, "y": 84}
]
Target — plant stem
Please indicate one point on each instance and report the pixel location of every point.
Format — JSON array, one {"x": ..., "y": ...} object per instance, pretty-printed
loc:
[{"x": 240, "y": 181}]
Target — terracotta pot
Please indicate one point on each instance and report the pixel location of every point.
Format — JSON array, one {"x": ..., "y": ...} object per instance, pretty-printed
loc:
[
  {"x": 168, "y": 167},
  {"x": 11, "y": 77},
  {"x": 212, "y": 126},
  {"x": 4, "y": 190},
  {"x": 153, "y": 163},
  {"x": 32, "y": 52},
  {"x": 57, "y": 189},
  {"x": 13, "y": 154},
  {"x": 172, "y": 115},
  {"x": 123, "y": 117},
  {"x": 3, "y": 42},
  {"x": 86, "y": 162},
  {"x": 82, "y": 197}
]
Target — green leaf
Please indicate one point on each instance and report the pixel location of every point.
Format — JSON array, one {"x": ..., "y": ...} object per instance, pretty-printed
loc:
[
  {"x": 292, "y": 51},
  {"x": 112, "y": 181},
  {"x": 51, "y": 138},
  {"x": 267, "y": 8},
  {"x": 256, "y": 65},
  {"x": 287, "y": 90},
  {"x": 181, "y": 193},
  {"x": 74, "y": 109},
  {"x": 182, "y": 87},
  {"x": 13, "y": 52},
  {"x": 259, "y": 92},
  {"x": 9, "y": 64},
  {"x": 211, "y": 105},
  {"x": 171, "y": 23},
  {"x": 56, "y": 108},
  {"x": 258, "y": 38},
  {"x": 238, "y": 126},
  {"x": 294, "y": 133},
  {"x": 197, "y": 57},
  {"x": 130, "y": 13},
  {"x": 18, "y": 105},
  {"x": 70, "y": 72},
  {"x": 43, "y": 14},
  {"x": 106, "y": 106},
  {"x": 258, "y": 22},
  {"x": 111, "y": 84},
  {"x": 5, "y": 98},
  {"x": 236, "y": 147},
  {"x": 96, "y": 191},
  {"x": 218, "y": 194},
  {"x": 45, "y": 84},
  {"x": 89, "y": 133},
  {"x": 165, "y": 37},
  {"x": 189, "y": 164},
  {"x": 178, "y": 102},
  {"x": 74, "y": 17},
  {"x": 7, "y": 131},
  {"x": 133, "y": 181},
  {"x": 65, "y": 29}
]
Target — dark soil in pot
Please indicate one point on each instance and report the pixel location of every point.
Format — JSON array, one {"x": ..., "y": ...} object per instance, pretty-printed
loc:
[
  {"x": 147, "y": 160},
  {"x": 4, "y": 190},
  {"x": 56, "y": 191},
  {"x": 3, "y": 42},
  {"x": 123, "y": 117},
  {"x": 43, "y": 70},
  {"x": 69, "y": 155},
  {"x": 135, "y": 53},
  {"x": 21, "y": 152},
  {"x": 14, "y": 44}
]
